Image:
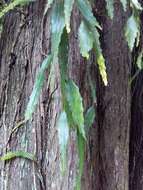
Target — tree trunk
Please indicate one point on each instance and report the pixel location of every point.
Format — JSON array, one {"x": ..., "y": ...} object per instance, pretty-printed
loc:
[
  {"x": 136, "y": 134},
  {"x": 114, "y": 105},
  {"x": 24, "y": 42}
]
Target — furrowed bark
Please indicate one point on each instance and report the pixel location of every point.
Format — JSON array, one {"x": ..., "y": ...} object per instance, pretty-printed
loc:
[
  {"x": 24, "y": 42},
  {"x": 136, "y": 133},
  {"x": 114, "y": 104}
]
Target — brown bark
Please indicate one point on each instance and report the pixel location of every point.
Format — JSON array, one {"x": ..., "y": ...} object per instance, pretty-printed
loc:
[
  {"x": 23, "y": 43},
  {"x": 114, "y": 105},
  {"x": 136, "y": 135},
  {"x": 136, "y": 143}
]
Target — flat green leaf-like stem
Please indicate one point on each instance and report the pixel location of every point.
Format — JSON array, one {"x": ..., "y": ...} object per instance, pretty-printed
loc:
[
  {"x": 86, "y": 11},
  {"x": 81, "y": 152},
  {"x": 37, "y": 88},
  {"x": 75, "y": 105},
  {"x": 132, "y": 31},
  {"x": 63, "y": 135},
  {"x": 16, "y": 154},
  {"x": 85, "y": 35},
  {"x": 68, "y": 5},
  {"x": 57, "y": 26}
]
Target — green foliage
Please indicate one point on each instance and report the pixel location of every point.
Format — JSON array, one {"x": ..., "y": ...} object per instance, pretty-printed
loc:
[
  {"x": 74, "y": 100},
  {"x": 16, "y": 154},
  {"x": 135, "y": 4},
  {"x": 72, "y": 104},
  {"x": 72, "y": 115},
  {"x": 68, "y": 5},
  {"x": 63, "y": 135},
  {"x": 37, "y": 88},
  {"x": 102, "y": 68},
  {"x": 92, "y": 23},
  {"x": 63, "y": 63},
  {"x": 132, "y": 31},
  {"x": 85, "y": 40},
  {"x": 110, "y": 8},
  {"x": 81, "y": 151},
  {"x": 140, "y": 61},
  {"x": 132, "y": 28},
  {"x": 86, "y": 11},
  {"x": 57, "y": 26},
  {"x": 63, "y": 57}
]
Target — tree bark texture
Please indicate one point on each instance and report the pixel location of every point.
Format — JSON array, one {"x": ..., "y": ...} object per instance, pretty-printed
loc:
[
  {"x": 136, "y": 134},
  {"x": 24, "y": 42},
  {"x": 114, "y": 105}
]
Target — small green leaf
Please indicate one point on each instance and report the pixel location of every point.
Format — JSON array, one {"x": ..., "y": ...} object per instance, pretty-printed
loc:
[
  {"x": 57, "y": 26},
  {"x": 89, "y": 117},
  {"x": 85, "y": 40},
  {"x": 68, "y": 5},
  {"x": 110, "y": 8},
  {"x": 63, "y": 135},
  {"x": 81, "y": 152},
  {"x": 140, "y": 60},
  {"x": 124, "y": 4},
  {"x": 86, "y": 10},
  {"x": 75, "y": 104},
  {"x": 63, "y": 56},
  {"x": 99, "y": 57},
  {"x": 136, "y": 4},
  {"x": 63, "y": 64},
  {"x": 16, "y": 154},
  {"x": 102, "y": 69},
  {"x": 132, "y": 31},
  {"x": 37, "y": 88}
]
